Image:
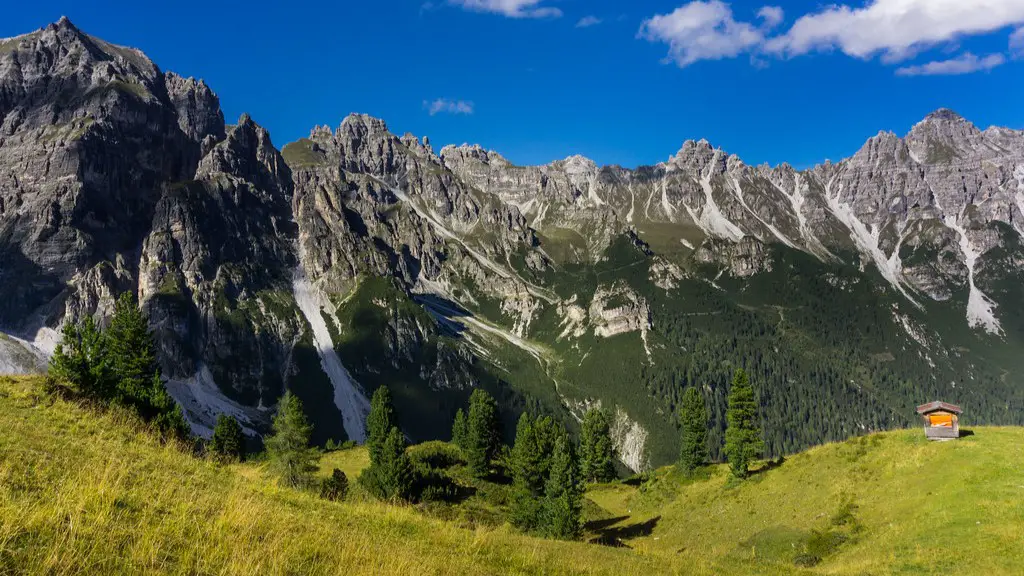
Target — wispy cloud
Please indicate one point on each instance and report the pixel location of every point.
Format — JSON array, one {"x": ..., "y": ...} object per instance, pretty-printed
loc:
[
  {"x": 701, "y": 31},
  {"x": 510, "y": 8},
  {"x": 446, "y": 106},
  {"x": 963, "y": 64},
  {"x": 588, "y": 21},
  {"x": 772, "y": 16},
  {"x": 1017, "y": 43},
  {"x": 893, "y": 30}
]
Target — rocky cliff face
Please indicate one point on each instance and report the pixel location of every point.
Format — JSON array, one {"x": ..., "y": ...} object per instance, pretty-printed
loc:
[{"x": 436, "y": 272}]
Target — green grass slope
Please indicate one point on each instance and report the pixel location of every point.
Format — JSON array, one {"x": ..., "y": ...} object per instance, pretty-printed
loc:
[{"x": 88, "y": 492}]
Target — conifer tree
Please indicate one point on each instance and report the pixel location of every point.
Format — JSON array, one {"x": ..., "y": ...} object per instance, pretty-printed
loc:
[
  {"x": 597, "y": 454},
  {"x": 119, "y": 365},
  {"x": 527, "y": 477},
  {"x": 228, "y": 443},
  {"x": 289, "y": 451},
  {"x": 391, "y": 476},
  {"x": 563, "y": 494},
  {"x": 164, "y": 412},
  {"x": 482, "y": 439},
  {"x": 546, "y": 433},
  {"x": 743, "y": 440},
  {"x": 379, "y": 422},
  {"x": 131, "y": 353},
  {"x": 460, "y": 430},
  {"x": 80, "y": 360},
  {"x": 694, "y": 446}
]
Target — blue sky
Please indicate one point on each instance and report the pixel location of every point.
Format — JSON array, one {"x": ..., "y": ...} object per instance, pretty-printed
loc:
[{"x": 798, "y": 84}]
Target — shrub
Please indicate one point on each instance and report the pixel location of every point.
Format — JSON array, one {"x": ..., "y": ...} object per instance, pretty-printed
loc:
[
  {"x": 435, "y": 455},
  {"x": 335, "y": 486}
]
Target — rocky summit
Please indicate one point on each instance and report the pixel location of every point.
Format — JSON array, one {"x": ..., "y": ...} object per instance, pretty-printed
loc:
[{"x": 356, "y": 258}]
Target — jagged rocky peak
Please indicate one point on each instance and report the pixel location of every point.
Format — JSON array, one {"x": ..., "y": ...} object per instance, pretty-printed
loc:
[
  {"x": 248, "y": 153},
  {"x": 198, "y": 108},
  {"x": 699, "y": 157},
  {"x": 459, "y": 157},
  {"x": 942, "y": 137},
  {"x": 882, "y": 149}
]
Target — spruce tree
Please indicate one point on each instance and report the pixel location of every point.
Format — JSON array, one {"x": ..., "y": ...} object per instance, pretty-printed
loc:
[
  {"x": 563, "y": 494},
  {"x": 597, "y": 454},
  {"x": 164, "y": 412},
  {"x": 694, "y": 450},
  {"x": 132, "y": 353},
  {"x": 379, "y": 422},
  {"x": 482, "y": 439},
  {"x": 290, "y": 454},
  {"x": 527, "y": 477},
  {"x": 743, "y": 440},
  {"x": 80, "y": 359},
  {"x": 546, "y": 433},
  {"x": 391, "y": 476},
  {"x": 228, "y": 443},
  {"x": 460, "y": 430}
]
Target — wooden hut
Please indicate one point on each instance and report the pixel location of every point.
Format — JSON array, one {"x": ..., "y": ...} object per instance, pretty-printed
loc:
[{"x": 941, "y": 420}]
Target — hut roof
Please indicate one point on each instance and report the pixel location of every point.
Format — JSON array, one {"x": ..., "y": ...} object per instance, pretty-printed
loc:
[{"x": 938, "y": 405}]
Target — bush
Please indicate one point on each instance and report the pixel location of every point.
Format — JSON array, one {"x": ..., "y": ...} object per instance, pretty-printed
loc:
[
  {"x": 436, "y": 455},
  {"x": 333, "y": 445},
  {"x": 335, "y": 486}
]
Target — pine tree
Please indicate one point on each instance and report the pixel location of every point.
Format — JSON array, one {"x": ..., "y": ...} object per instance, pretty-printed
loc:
[
  {"x": 289, "y": 451},
  {"x": 563, "y": 493},
  {"x": 80, "y": 359},
  {"x": 132, "y": 353},
  {"x": 597, "y": 454},
  {"x": 391, "y": 476},
  {"x": 482, "y": 439},
  {"x": 460, "y": 430},
  {"x": 546, "y": 433},
  {"x": 743, "y": 440},
  {"x": 227, "y": 443},
  {"x": 379, "y": 422},
  {"x": 164, "y": 412},
  {"x": 694, "y": 450},
  {"x": 527, "y": 478}
]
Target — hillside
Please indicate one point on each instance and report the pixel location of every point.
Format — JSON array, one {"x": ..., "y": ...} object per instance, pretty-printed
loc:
[
  {"x": 358, "y": 258},
  {"x": 82, "y": 492}
]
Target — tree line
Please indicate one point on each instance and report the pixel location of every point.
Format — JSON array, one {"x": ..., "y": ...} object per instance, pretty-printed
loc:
[{"x": 548, "y": 469}]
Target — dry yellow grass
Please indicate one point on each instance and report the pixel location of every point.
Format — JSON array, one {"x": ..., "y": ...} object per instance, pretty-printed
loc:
[
  {"x": 82, "y": 492},
  {"x": 89, "y": 492}
]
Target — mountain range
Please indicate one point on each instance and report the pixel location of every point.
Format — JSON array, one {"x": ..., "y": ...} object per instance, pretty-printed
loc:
[{"x": 357, "y": 258}]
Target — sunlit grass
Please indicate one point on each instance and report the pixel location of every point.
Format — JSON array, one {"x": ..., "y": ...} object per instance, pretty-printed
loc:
[{"x": 83, "y": 491}]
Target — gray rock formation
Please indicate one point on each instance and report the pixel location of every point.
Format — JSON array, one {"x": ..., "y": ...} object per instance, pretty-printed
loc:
[{"x": 116, "y": 176}]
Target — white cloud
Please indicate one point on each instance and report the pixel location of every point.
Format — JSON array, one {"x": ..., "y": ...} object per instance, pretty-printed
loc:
[
  {"x": 772, "y": 16},
  {"x": 1017, "y": 43},
  {"x": 701, "y": 31},
  {"x": 898, "y": 29},
  {"x": 963, "y": 64},
  {"x": 510, "y": 8},
  {"x": 448, "y": 106},
  {"x": 588, "y": 21},
  {"x": 893, "y": 30}
]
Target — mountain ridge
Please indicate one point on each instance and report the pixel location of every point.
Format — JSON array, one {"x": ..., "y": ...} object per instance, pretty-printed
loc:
[{"x": 851, "y": 289}]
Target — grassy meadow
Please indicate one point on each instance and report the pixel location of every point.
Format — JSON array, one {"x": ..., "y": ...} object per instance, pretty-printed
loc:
[{"x": 90, "y": 492}]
